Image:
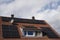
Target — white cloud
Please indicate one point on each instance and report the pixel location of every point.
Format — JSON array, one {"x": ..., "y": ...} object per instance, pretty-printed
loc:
[
  {"x": 29, "y": 8},
  {"x": 21, "y": 5}
]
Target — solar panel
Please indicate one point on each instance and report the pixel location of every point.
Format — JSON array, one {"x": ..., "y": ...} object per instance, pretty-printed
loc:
[
  {"x": 10, "y": 31},
  {"x": 17, "y": 20},
  {"x": 49, "y": 32}
]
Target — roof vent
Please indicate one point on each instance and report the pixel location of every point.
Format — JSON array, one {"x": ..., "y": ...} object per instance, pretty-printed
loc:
[{"x": 33, "y": 17}]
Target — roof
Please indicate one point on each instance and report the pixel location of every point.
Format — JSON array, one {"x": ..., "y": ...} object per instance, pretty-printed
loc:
[
  {"x": 21, "y": 20},
  {"x": 30, "y": 28}
]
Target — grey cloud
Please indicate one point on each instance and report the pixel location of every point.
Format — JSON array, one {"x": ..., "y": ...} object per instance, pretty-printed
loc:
[
  {"x": 54, "y": 21},
  {"x": 6, "y": 1},
  {"x": 56, "y": 25},
  {"x": 53, "y": 5}
]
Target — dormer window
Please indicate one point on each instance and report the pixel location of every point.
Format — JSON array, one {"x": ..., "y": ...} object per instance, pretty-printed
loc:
[
  {"x": 31, "y": 32},
  {"x": 27, "y": 33}
]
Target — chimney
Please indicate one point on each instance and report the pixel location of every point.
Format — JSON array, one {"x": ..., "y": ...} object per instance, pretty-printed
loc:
[
  {"x": 33, "y": 18},
  {"x": 12, "y": 16}
]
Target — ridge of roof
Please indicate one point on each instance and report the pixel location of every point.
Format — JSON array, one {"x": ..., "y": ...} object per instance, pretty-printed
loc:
[{"x": 22, "y": 20}]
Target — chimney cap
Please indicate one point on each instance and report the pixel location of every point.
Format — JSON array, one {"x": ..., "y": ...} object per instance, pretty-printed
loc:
[
  {"x": 33, "y": 17},
  {"x": 12, "y": 15}
]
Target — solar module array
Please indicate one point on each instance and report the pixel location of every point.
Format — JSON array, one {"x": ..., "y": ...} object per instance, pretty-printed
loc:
[{"x": 10, "y": 31}]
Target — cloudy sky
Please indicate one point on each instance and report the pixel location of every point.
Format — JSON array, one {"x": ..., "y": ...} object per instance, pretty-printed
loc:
[{"x": 48, "y": 10}]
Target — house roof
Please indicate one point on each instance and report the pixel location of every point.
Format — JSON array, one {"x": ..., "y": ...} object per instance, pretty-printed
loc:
[{"x": 21, "y": 20}]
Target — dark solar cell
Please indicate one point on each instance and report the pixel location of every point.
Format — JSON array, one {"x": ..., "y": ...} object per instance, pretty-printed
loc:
[
  {"x": 10, "y": 31},
  {"x": 49, "y": 32},
  {"x": 6, "y": 19}
]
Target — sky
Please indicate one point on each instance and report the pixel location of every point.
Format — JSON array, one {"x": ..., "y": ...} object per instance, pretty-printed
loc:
[{"x": 48, "y": 10}]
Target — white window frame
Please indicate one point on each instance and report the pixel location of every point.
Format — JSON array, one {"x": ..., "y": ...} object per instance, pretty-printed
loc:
[{"x": 40, "y": 34}]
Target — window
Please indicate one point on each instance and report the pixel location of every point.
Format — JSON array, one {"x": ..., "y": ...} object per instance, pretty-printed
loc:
[
  {"x": 39, "y": 34},
  {"x": 29, "y": 33},
  {"x": 10, "y": 31}
]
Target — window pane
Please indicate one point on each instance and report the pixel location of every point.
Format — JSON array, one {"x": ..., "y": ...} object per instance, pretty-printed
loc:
[
  {"x": 30, "y": 32},
  {"x": 24, "y": 32}
]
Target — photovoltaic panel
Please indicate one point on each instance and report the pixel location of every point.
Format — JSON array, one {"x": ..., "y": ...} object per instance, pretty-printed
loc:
[{"x": 10, "y": 31}]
